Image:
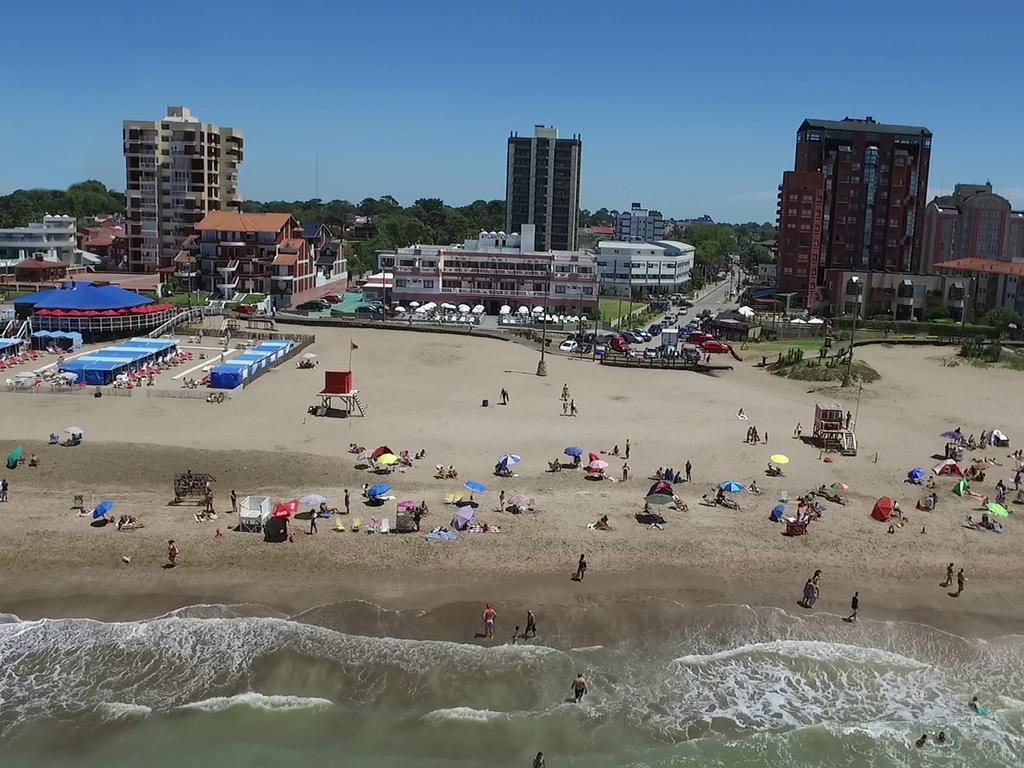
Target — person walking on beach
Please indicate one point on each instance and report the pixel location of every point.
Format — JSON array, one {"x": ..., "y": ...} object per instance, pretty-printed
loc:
[
  {"x": 565, "y": 407},
  {"x": 489, "y": 616},
  {"x": 572, "y": 408},
  {"x": 538, "y": 761},
  {"x": 501, "y": 500},
  {"x": 581, "y": 569},
  {"x": 531, "y": 625},
  {"x": 312, "y": 521},
  {"x": 565, "y": 393},
  {"x": 625, "y": 472},
  {"x": 960, "y": 579},
  {"x": 854, "y": 607},
  {"x": 627, "y": 449},
  {"x": 579, "y": 687},
  {"x": 234, "y": 502},
  {"x": 797, "y": 431},
  {"x": 3, "y": 489},
  {"x": 346, "y": 501},
  {"x": 504, "y": 396},
  {"x": 766, "y": 438},
  {"x": 172, "y": 553},
  {"x": 949, "y": 576},
  {"x": 688, "y": 468}
]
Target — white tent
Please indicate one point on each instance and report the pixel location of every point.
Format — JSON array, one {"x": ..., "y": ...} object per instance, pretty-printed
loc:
[
  {"x": 421, "y": 310},
  {"x": 815, "y": 321},
  {"x": 400, "y": 310},
  {"x": 745, "y": 311},
  {"x": 998, "y": 438},
  {"x": 505, "y": 310},
  {"x": 798, "y": 320},
  {"x": 538, "y": 310},
  {"x": 253, "y": 513},
  {"x": 446, "y": 305}
]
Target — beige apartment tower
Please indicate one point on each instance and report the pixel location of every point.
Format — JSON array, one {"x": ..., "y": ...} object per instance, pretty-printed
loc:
[{"x": 177, "y": 170}]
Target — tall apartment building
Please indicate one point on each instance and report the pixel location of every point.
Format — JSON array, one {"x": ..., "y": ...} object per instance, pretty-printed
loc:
[
  {"x": 639, "y": 225},
  {"x": 543, "y": 187},
  {"x": 177, "y": 170},
  {"x": 875, "y": 179},
  {"x": 972, "y": 223}
]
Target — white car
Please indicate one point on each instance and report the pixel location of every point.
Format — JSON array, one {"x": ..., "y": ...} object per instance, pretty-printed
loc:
[{"x": 569, "y": 345}]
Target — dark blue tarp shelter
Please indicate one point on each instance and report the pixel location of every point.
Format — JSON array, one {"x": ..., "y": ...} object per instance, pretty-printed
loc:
[{"x": 83, "y": 296}]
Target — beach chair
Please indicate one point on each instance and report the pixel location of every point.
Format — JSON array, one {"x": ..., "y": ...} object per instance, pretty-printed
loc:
[
  {"x": 357, "y": 524},
  {"x": 78, "y": 502},
  {"x": 453, "y": 498},
  {"x": 385, "y": 525},
  {"x": 339, "y": 526},
  {"x": 784, "y": 497}
]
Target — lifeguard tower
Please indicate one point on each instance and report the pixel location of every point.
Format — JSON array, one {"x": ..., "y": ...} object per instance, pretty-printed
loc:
[
  {"x": 830, "y": 430},
  {"x": 338, "y": 385}
]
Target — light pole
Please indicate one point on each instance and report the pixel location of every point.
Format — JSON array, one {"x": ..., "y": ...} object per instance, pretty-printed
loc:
[{"x": 542, "y": 366}]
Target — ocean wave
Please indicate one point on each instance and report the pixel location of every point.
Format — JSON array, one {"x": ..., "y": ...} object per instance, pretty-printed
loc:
[
  {"x": 814, "y": 650},
  {"x": 464, "y": 714},
  {"x": 119, "y": 710},
  {"x": 9, "y": 618},
  {"x": 268, "y": 702}
]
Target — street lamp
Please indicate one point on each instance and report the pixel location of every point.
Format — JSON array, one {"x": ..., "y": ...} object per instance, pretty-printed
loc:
[{"x": 542, "y": 366}]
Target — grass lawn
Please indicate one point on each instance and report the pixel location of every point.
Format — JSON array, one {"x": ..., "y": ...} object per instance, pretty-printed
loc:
[
  {"x": 199, "y": 298},
  {"x": 609, "y": 307},
  {"x": 4, "y": 296},
  {"x": 254, "y": 298},
  {"x": 774, "y": 347}
]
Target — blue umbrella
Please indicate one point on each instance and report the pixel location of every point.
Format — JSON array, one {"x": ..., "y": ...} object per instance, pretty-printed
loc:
[
  {"x": 777, "y": 512},
  {"x": 378, "y": 490},
  {"x": 916, "y": 474},
  {"x": 102, "y": 508},
  {"x": 731, "y": 486},
  {"x": 573, "y": 451},
  {"x": 473, "y": 485},
  {"x": 510, "y": 458}
]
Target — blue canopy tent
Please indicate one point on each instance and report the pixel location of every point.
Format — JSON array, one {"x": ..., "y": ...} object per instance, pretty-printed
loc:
[
  {"x": 9, "y": 347},
  {"x": 67, "y": 340},
  {"x": 82, "y": 295},
  {"x": 104, "y": 365},
  {"x": 232, "y": 373}
]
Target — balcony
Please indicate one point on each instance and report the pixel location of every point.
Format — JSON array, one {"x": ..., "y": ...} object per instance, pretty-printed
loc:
[
  {"x": 226, "y": 286},
  {"x": 231, "y": 266},
  {"x": 493, "y": 292}
]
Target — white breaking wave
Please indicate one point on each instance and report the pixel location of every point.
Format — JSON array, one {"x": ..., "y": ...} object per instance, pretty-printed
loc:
[
  {"x": 813, "y": 650},
  {"x": 464, "y": 714},
  {"x": 268, "y": 702},
  {"x": 118, "y": 710}
]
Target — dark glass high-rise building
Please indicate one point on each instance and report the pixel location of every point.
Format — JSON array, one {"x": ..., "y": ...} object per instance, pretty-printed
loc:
[{"x": 543, "y": 187}]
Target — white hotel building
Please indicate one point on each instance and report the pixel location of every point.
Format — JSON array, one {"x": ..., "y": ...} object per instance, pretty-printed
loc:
[
  {"x": 633, "y": 268},
  {"x": 493, "y": 270}
]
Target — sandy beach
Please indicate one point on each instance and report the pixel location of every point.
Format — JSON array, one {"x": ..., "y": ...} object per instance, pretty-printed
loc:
[{"x": 424, "y": 392}]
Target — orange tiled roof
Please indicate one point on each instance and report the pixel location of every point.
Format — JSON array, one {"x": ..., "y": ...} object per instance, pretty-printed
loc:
[
  {"x": 230, "y": 221},
  {"x": 293, "y": 242},
  {"x": 286, "y": 259},
  {"x": 973, "y": 264}
]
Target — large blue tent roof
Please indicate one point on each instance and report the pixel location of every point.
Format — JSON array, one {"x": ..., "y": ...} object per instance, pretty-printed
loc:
[{"x": 82, "y": 296}]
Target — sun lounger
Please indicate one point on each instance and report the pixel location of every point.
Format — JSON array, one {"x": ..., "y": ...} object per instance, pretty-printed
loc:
[
  {"x": 385, "y": 525},
  {"x": 339, "y": 525},
  {"x": 357, "y": 524},
  {"x": 453, "y": 498}
]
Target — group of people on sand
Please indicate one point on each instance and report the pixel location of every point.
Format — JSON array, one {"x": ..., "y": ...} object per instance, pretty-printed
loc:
[
  {"x": 442, "y": 473},
  {"x": 812, "y": 591},
  {"x": 753, "y": 437}
]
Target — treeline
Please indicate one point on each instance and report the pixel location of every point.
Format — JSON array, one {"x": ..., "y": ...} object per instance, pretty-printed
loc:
[
  {"x": 82, "y": 200},
  {"x": 714, "y": 244}
]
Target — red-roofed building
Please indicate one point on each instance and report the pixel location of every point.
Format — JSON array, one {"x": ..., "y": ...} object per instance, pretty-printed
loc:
[
  {"x": 38, "y": 270},
  {"x": 107, "y": 240},
  {"x": 253, "y": 253}
]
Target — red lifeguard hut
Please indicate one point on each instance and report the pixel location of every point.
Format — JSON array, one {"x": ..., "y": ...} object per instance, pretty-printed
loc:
[{"x": 338, "y": 384}]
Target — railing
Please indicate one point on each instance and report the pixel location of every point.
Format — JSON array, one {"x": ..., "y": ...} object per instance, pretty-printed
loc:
[
  {"x": 190, "y": 314},
  {"x": 493, "y": 292}
]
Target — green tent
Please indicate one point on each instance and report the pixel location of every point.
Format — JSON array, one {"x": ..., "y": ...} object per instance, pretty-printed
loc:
[
  {"x": 961, "y": 487},
  {"x": 12, "y": 458}
]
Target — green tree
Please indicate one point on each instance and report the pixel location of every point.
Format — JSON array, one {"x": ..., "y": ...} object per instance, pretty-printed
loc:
[{"x": 1001, "y": 318}]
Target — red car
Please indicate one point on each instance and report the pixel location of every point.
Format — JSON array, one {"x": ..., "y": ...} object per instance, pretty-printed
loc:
[
  {"x": 245, "y": 309},
  {"x": 333, "y": 298},
  {"x": 619, "y": 344},
  {"x": 713, "y": 345},
  {"x": 699, "y": 337}
]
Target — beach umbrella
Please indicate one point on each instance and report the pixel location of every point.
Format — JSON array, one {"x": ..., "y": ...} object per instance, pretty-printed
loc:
[
  {"x": 464, "y": 309},
  {"x": 838, "y": 487},
  {"x": 102, "y": 508},
  {"x": 421, "y": 310},
  {"x": 478, "y": 309},
  {"x": 778, "y": 458},
  {"x": 378, "y": 490},
  {"x": 400, "y": 309},
  {"x": 538, "y": 310},
  {"x": 379, "y": 451},
  {"x": 572, "y": 450},
  {"x": 387, "y": 459},
  {"x": 961, "y": 487},
  {"x": 510, "y": 458},
  {"x": 505, "y": 310},
  {"x": 598, "y": 465},
  {"x": 309, "y": 356},
  {"x": 414, "y": 304},
  {"x": 952, "y": 435},
  {"x": 463, "y": 518},
  {"x": 473, "y": 485},
  {"x": 777, "y": 512},
  {"x": 997, "y": 509},
  {"x": 406, "y": 506},
  {"x": 659, "y": 498},
  {"x": 660, "y": 487},
  {"x": 731, "y": 486},
  {"x": 518, "y": 501},
  {"x": 916, "y": 473},
  {"x": 75, "y": 431},
  {"x": 285, "y": 509},
  {"x": 523, "y": 311},
  {"x": 313, "y": 498},
  {"x": 815, "y": 321}
]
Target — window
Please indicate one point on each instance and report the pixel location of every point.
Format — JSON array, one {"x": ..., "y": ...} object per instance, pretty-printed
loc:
[
  {"x": 588, "y": 291},
  {"x": 401, "y": 283},
  {"x": 792, "y": 212},
  {"x": 559, "y": 289},
  {"x": 428, "y": 283}
]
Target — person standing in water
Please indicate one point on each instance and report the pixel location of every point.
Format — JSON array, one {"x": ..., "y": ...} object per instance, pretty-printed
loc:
[
  {"x": 579, "y": 687},
  {"x": 489, "y": 616}
]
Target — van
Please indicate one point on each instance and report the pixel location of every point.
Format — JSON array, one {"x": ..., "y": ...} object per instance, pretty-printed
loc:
[{"x": 619, "y": 344}]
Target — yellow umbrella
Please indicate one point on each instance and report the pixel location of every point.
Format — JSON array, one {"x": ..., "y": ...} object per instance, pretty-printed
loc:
[
  {"x": 778, "y": 458},
  {"x": 387, "y": 459}
]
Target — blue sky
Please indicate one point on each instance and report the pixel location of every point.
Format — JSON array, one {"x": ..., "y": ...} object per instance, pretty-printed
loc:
[{"x": 690, "y": 108}]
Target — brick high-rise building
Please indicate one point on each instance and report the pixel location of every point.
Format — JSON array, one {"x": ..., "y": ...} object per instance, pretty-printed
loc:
[
  {"x": 874, "y": 179},
  {"x": 177, "y": 170},
  {"x": 972, "y": 223},
  {"x": 543, "y": 187}
]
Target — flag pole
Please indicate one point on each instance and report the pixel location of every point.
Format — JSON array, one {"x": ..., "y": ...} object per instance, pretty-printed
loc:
[{"x": 350, "y": 347}]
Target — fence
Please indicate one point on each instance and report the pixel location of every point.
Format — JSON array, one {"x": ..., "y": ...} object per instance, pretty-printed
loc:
[
  {"x": 181, "y": 394},
  {"x": 54, "y": 389}
]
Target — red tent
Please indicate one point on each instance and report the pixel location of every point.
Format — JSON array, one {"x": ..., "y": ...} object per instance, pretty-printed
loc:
[
  {"x": 285, "y": 509},
  {"x": 381, "y": 450},
  {"x": 882, "y": 510},
  {"x": 593, "y": 457},
  {"x": 947, "y": 467}
]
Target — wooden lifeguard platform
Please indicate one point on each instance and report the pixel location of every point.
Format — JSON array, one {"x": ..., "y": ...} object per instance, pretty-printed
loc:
[
  {"x": 338, "y": 386},
  {"x": 831, "y": 430}
]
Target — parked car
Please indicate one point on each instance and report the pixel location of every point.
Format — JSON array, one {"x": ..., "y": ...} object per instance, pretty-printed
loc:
[
  {"x": 651, "y": 353},
  {"x": 244, "y": 309},
  {"x": 655, "y": 329},
  {"x": 569, "y": 345},
  {"x": 643, "y": 335},
  {"x": 713, "y": 345},
  {"x": 619, "y": 344},
  {"x": 698, "y": 337},
  {"x": 683, "y": 311},
  {"x": 333, "y": 298},
  {"x": 316, "y": 305}
]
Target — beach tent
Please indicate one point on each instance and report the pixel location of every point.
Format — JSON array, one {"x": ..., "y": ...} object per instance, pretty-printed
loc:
[
  {"x": 13, "y": 457},
  {"x": 777, "y": 512},
  {"x": 947, "y": 467},
  {"x": 253, "y": 513},
  {"x": 285, "y": 509},
  {"x": 463, "y": 518},
  {"x": 380, "y": 451},
  {"x": 961, "y": 487},
  {"x": 882, "y": 510},
  {"x": 998, "y": 439}
]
